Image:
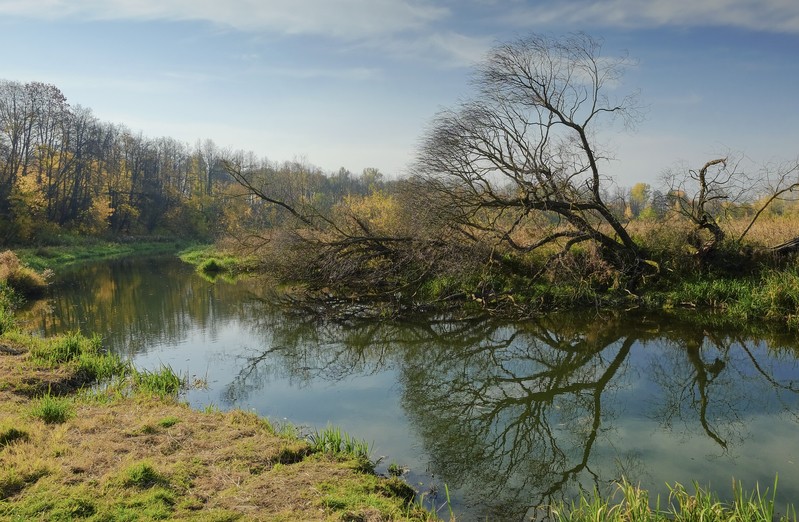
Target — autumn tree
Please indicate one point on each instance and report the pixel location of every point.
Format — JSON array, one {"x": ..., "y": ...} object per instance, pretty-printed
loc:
[
  {"x": 639, "y": 198},
  {"x": 520, "y": 154}
]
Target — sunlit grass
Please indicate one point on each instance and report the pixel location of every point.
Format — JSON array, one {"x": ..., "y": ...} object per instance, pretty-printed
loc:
[
  {"x": 163, "y": 382},
  {"x": 334, "y": 441},
  {"x": 630, "y": 503}
]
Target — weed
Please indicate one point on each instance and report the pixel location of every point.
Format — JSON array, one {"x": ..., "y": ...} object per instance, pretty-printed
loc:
[
  {"x": 211, "y": 266},
  {"x": 65, "y": 348},
  {"x": 395, "y": 470},
  {"x": 635, "y": 505}
]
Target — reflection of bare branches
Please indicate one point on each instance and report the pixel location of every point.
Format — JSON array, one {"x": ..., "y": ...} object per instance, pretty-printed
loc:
[
  {"x": 703, "y": 378},
  {"x": 511, "y": 414},
  {"x": 518, "y": 397},
  {"x": 756, "y": 365}
]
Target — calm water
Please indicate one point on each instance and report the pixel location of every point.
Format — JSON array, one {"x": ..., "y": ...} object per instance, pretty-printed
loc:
[{"x": 509, "y": 415}]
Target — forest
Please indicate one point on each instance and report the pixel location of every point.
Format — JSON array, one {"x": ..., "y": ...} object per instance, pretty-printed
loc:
[{"x": 64, "y": 172}]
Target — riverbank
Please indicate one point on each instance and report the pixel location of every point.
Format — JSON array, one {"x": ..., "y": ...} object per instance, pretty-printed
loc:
[
  {"x": 130, "y": 450},
  {"x": 52, "y": 257}
]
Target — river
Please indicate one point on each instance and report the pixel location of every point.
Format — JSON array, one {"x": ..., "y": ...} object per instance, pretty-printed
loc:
[{"x": 510, "y": 416}]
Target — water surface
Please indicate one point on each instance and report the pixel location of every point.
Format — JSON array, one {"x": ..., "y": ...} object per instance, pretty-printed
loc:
[{"x": 509, "y": 415}]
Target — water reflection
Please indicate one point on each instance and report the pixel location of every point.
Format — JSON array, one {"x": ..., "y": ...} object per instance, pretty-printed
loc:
[{"x": 509, "y": 416}]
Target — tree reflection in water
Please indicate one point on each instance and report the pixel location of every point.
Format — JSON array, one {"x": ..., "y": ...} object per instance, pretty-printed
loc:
[{"x": 511, "y": 414}]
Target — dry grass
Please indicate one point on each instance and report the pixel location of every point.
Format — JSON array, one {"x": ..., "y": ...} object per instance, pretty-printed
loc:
[{"x": 135, "y": 457}]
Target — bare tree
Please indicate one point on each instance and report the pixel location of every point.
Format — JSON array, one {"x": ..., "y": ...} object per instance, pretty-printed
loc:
[
  {"x": 523, "y": 149},
  {"x": 720, "y": 186}
]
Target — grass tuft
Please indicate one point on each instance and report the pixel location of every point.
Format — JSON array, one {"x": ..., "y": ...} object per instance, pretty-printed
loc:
[
  {"x": 332, "y": 440},
  {"x": 52, "y": 409},
  {"x": 143, "y": 475},
  {"x": 632, "y": 504},
  {"x": 168, "y": 422},
  {"x": 163, "y": 382}
]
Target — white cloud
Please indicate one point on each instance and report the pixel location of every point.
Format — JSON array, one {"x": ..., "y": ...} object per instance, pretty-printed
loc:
[
  {"x": 348, "y": 19},
  {"x": 764, "y": 15}
]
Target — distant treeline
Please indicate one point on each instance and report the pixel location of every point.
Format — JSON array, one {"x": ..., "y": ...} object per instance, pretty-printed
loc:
[{"x": 64, "y": 171}]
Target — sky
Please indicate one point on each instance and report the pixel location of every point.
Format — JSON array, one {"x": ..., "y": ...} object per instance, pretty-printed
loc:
[{"x": 355, "y": 83}]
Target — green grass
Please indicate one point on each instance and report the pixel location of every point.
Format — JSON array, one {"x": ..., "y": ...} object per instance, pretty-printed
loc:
[
  {"x": 52, "y": 257},
  {"x": 163, "y": 382},
  {"x": 92, "y": 363},
  {"x": 633, "y": 504},
  {"x": 64, "y": 348},
  {"x": 332, "y": 440},
  {"x": 213, "y": 263},
  {"x": 771, "y": 296},
  {"x": 143, "y": 475},
  {"x": 168, "y": 422},
  {"x": 373, "y": 495},
  {"x": 7, "y": 321},
  {"x": 52, "y": 409}
]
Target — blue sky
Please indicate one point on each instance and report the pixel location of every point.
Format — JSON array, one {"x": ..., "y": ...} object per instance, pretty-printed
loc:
[{"x": 353, "y": 83}]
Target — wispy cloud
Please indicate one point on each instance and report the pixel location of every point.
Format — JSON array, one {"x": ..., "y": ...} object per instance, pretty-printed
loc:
[
  {"x": 349, "y": 19},
  {"x": 765, "y": 15}
]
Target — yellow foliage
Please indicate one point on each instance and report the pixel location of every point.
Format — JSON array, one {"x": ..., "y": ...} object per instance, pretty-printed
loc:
[
  {"x": 28, "y": 204},
  {"x": 379, "y": 211},
  {"x": 96, "y": 219}
]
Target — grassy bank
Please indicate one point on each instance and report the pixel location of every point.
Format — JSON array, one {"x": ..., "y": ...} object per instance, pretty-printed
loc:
[
  {"x": 130, "y": 450},
  {"x": 52, "y": 257}
]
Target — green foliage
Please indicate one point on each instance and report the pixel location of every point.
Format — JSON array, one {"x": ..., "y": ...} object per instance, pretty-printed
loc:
[
  {"x": 211, "y": 262},
  {"x": 7, "y": 321},
  {"x": 773, "y": 295},
  {"x": 211, "y": 266},
  {"x": 65, "y": 348},
  {"x": 83, "y": 249},
  {"x": 52, "y": 409}
]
